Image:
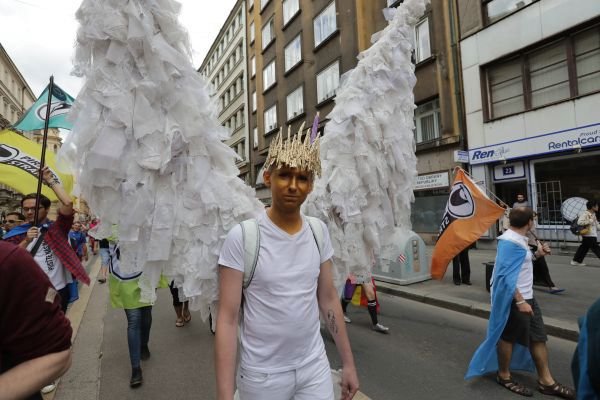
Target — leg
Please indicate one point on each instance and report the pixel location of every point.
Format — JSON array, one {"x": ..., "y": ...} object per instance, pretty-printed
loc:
[
  {"x": 258, "y": 386},
  {"x": 134, "y": 335},
  {"x": 456, "y": 270},
  {"x": 595, "y": 247},
  {"x": 177, "y": 305},
  {"x": 314, "y": 381},
  {"x": 372, "y": 303},
  {"x": 582, "y": 250},
  {"x": 539, "y": 353},
  {"x": 146, "y": 325},
  {"x": 64, "y": 298},
  {"x": 465, "y": 266},
  {"x": 187, "y": 317},
  {"x": 541, "y": 272},
  {"x": 504, "y": 355}
]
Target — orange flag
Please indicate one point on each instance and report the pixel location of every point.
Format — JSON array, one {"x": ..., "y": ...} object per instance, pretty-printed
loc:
[{"x": 469, "y": 213}]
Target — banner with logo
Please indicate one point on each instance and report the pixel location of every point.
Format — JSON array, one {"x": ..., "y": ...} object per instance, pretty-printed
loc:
[
  {"x": 20, "y": 165},
  {"x": 469, "y": 213},
  {"x": 60, "y": 106}
]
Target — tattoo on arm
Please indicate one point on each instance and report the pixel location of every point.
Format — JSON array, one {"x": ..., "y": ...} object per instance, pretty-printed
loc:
[{"x": 333, "y": 328}]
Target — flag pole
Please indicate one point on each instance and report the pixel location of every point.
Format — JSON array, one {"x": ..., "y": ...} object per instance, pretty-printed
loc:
[{"x": 43, "y": 157}]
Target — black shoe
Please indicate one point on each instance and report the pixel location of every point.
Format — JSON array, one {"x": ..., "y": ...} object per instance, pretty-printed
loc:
[
  {"x": 467, "y": 283},
  {"x": 136, "y": 378},
  {"x": 145, "y": 354},
  {"x": 457, "y": 283}
]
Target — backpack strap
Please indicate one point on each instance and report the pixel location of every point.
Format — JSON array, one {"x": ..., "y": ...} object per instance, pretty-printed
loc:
[
  {"x": 317, "y": 230},
  {"x": 251, "y": 237}
]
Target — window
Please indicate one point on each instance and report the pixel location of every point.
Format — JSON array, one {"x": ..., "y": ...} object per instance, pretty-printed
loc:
[
  {"x": 268, "y": 33},
  {"x": 263, "y": 4},
  {"x": 506, "y": 88},
  {"x": 422, "y": 42},
  {"x": 553, "y": 72},
  {"x": 271, "y": 119},
  {"x": 255, "y": 137},
  {"x": 427, "y": 121},
  {"x": 253, "y": 101},
  {"x": 325, "y": 24},
  {"x": 269, "y": 75},
  {"x": 293, "y": 53},
  {"x": 250, "y": 4},
  {"x": 290, "y": 9},
  {"x": 251, "y": 32},
  {"x": 587, "y": 60},
  {"x": 253, "y": 66},
  {"x": 328, "y": 81},
  {"x": 497, "y": 9},
  {"x": 295, "y": 103},
  {"x": 549, "y": 74}
]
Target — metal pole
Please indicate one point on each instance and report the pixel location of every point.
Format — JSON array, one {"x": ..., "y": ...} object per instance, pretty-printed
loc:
[{"x": 43, "y": 157}]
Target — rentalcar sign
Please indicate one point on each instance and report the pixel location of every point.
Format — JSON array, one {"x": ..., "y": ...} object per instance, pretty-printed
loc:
[{"x": 570, "y": 139}]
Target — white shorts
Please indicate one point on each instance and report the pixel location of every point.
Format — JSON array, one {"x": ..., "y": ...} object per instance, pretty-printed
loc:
[{"x": 310, "y": 382}]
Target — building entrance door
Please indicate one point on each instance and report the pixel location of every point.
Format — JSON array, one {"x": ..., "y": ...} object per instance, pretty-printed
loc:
[{"x": 508, "y": 191}]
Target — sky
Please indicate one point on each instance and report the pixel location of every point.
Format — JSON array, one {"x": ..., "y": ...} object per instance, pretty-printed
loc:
[{"x": 40, "y": 50}]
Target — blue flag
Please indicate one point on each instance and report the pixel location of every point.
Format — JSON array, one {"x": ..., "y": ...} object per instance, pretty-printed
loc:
[{"x": 60, "y": 106}]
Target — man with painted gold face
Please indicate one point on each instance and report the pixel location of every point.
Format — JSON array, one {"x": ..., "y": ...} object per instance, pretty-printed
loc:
[{"x": 282, "y": 351}]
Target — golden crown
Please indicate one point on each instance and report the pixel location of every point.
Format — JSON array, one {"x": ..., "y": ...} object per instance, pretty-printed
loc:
[{"x": 295, "y": 152}]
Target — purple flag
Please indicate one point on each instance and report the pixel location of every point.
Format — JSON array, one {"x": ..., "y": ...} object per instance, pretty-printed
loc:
[{"x": 315, "y": 129}]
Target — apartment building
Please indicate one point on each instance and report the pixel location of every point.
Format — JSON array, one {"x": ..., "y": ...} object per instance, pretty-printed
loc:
[
  {"x": 225, "y": 67},
  {"x": 297, "y": 51},
  {"x": 531, "y": 72}
]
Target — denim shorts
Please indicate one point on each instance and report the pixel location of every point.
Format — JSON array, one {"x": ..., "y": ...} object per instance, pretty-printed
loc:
[{"x": 104, "y": 256}]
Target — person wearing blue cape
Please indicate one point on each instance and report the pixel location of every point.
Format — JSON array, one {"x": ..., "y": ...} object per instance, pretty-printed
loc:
[
  {"x": 516, "y": 337},
  {"x": 586, "y": 360}
]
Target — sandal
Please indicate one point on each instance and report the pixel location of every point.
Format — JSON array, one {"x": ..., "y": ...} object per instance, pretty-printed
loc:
[
  {"x": 557, "y": 389},
  {"x": 179, "y": 322},
  {"x": 514, "y": 386},
  {"x": 187, "y": 318}
]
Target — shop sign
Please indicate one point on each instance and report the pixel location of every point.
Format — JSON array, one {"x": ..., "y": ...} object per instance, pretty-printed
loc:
[
  {"x": 509, "y": 171},
  {"x": 568, "y": 140},
  {"x": 432, "y": 181},
  {"x": 461, "y": 156}
]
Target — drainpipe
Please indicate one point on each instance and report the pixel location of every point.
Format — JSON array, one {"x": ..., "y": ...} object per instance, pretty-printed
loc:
[{"x": 463, "y": 141}]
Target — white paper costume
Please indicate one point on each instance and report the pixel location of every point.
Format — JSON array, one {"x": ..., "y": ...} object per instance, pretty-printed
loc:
[
  {"x": 147, "y": 146},
  {"x": 368, "y": 149}
]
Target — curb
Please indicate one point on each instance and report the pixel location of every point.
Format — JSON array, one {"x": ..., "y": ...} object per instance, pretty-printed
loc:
[{"x": 554, "y": 327}]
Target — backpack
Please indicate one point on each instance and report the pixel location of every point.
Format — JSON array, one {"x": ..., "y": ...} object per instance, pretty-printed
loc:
[{"x": 251, "y": 237}]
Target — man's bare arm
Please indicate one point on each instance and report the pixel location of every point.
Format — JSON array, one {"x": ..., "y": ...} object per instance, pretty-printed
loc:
[
  {"x": 66, "y": 202},
  {"x": 29, "y": 377},
  {"x": 230, "y": 295},
  {"x": 331, "y": 310}
]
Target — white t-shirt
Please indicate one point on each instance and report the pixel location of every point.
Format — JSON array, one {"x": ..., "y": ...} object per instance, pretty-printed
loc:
[
  {"x": 51, "y": 265},
  {"x": 525, "y": 279},
  {"x": 280, "y": 330}
]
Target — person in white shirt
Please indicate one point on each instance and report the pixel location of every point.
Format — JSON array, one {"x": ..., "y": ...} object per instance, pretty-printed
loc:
[
  {"x": 589, "y": 239},
  {"x": 282, "y": 355}
]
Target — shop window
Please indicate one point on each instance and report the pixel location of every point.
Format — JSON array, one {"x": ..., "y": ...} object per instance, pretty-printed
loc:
[
  {"x": 290, "y": 9},
  {"x": 269, "y": 78},
  {"x": 428, "y": 210},
  {"x": 328, "y": 81},
  {"x": 295, "y": 103},
  {"x": 268, "y": 33},
  {"x": 575, "y": 176},
  {"x": 293, "y": 53},
  {"x": 497, "y": 9},
  {"x": 422, "y": 41},
  {"x": 270, "y": 118},
  {"x": 427, "y": 121},
  {"x": 325, "y": 24},
  {"x": 587, "y": 60}
]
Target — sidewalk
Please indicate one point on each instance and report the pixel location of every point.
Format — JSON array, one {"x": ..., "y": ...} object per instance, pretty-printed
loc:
[{"x": 561, "y": 311}]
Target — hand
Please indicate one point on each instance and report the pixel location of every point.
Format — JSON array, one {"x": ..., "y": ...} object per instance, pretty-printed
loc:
[
  {"x": 349, "y": 383},
  {"x": 525, "y": 308},
  {"x": 48, "y": 177},
  {"x": 32, "y": 233},
  {"x": 546, "y": 248}
]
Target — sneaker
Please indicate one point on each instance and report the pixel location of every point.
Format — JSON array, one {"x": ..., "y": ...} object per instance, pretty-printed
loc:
[
  {"x": 381, "y": 329},
  {"x": 136, "y": 377},
  {"x": 346, "y": 319},
  {"x": 578, "y": 264},
  {"x": 49, "y": 388},
  {"x": 145, "y": 354}
]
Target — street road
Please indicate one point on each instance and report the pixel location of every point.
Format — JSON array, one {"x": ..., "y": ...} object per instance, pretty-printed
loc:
[
  {"x": 424, "y": 357},
  {"x": 427, "y": 353}
]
